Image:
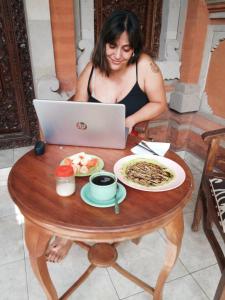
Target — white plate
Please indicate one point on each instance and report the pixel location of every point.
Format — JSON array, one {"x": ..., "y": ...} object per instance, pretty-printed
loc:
[{"x": 172, "y": 166}]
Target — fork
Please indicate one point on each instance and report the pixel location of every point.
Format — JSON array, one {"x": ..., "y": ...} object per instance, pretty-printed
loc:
[{"x": 146, "y": 147}]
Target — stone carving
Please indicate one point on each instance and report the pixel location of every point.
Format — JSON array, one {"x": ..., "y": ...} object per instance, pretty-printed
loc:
[
  {"x": 18, "y": 122},
  {"x": 48, "y": 88}
]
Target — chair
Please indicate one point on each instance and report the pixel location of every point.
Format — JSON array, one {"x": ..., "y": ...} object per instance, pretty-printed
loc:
[{"x": 211, "y": 200}]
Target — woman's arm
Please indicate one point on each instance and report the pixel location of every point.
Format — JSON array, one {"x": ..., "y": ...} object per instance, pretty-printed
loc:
[
  {"x": 151, "y": 82},
  {"x": 82, "y": 84}
]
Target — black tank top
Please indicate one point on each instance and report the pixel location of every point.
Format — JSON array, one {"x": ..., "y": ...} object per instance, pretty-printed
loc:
[{"x": 133, "y": 101}]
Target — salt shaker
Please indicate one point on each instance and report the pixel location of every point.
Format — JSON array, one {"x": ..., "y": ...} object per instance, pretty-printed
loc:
[{"x": 65, "y": 181}]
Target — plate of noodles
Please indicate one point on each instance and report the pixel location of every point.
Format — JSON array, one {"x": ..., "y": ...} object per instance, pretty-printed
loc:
[{"x": 149, "y": 172}]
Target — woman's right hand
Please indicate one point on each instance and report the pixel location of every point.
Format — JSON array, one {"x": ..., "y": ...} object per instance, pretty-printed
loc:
[{"x": 129, "y": 123}]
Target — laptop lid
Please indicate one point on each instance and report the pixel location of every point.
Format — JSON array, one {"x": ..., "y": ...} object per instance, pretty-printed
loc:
[{"x": 82, "y": 123}]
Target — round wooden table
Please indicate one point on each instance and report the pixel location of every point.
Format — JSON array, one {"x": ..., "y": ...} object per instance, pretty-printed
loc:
[{"x": 32, "y": 187}]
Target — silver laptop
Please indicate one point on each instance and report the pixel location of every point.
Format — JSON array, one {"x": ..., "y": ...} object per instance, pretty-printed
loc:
[{"x": 82, "y": 123}]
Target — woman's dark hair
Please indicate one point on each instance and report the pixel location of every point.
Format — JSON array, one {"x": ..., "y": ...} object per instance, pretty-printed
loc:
[{"x": 118, "y": 22}]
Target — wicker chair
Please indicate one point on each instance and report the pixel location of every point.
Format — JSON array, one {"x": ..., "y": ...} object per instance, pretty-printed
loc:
[{"x": 211, "y": 200}]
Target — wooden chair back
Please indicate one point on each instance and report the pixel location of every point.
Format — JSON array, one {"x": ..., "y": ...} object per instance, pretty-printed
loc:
[{"x": 211, "y": 200}]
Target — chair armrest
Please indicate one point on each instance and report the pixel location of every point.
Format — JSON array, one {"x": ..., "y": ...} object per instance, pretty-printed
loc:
[{"x": 218, "y": 133}]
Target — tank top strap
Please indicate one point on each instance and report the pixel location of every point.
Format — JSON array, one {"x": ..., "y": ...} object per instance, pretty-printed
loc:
[
  {"x": 136, "y": 71},
  {"x": 89, "y": 80}
]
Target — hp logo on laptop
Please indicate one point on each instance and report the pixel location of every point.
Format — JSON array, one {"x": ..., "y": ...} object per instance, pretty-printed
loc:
[{"x": 81, "y": 125}]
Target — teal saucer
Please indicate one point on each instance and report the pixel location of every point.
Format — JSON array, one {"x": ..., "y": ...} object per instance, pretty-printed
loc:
[{"x": 86, "y": 197}]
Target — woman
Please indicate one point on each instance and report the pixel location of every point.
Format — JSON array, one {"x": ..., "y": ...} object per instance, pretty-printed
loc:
[{"x": 119, "y": 72}]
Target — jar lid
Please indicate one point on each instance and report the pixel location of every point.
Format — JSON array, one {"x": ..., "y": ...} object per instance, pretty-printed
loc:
[{"x": 64, "y": 171}]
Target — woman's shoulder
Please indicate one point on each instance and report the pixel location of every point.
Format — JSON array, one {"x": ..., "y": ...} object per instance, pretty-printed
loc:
[
  {"x": 147, "y": 64},
  {"x": 87, "y": 68},
  {"x": 85, "y": 74},
  {"x": 81, "y": 90}
]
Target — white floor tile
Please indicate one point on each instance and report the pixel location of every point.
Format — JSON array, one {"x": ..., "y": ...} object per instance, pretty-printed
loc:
[
  {"x": 13, "y": 281},
  {"x": 184, "y": 288},
  {"x": 4, "y": 173},
  {"x": 208, "y": 279},
  {"x": 11, "y": 246},
  {"x": 139, "y": 296},
  {"x": 7, "y": 206},
  {"x": 196, "y": 252},
  {"x": 6, "y": 158},
  {"x": 97, "y": 287}
]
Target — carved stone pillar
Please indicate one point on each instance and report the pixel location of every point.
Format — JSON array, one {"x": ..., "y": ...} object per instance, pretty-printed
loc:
[{"x": 171, "y": 36}]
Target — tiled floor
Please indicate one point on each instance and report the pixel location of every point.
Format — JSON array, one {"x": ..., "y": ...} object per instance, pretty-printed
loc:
[{"x": 194, "y": 277}]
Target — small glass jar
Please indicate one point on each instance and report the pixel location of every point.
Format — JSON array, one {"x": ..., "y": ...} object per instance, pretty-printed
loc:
[{"x": 65, "y": 181}]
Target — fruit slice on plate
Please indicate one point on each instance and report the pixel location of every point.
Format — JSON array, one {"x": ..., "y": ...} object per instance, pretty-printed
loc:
[{"x": 84, "y": 164}]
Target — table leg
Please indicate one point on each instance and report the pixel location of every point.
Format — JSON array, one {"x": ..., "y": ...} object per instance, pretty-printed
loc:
[
  {"x": 37, "y": 241},
  {"x": 174, "y": 233}
]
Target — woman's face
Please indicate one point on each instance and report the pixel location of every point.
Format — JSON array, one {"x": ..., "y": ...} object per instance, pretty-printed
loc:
[{"x": 119, "y": 53}]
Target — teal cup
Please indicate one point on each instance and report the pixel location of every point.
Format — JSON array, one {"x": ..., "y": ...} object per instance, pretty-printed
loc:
[{"x": 103, "y": 186}]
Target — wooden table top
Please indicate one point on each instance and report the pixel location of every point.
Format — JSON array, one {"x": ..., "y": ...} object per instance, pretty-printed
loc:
[{"x": 32, "y": 187}]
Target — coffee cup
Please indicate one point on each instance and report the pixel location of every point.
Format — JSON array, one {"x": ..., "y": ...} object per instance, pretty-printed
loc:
[{"x": 103, "y": 186}]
